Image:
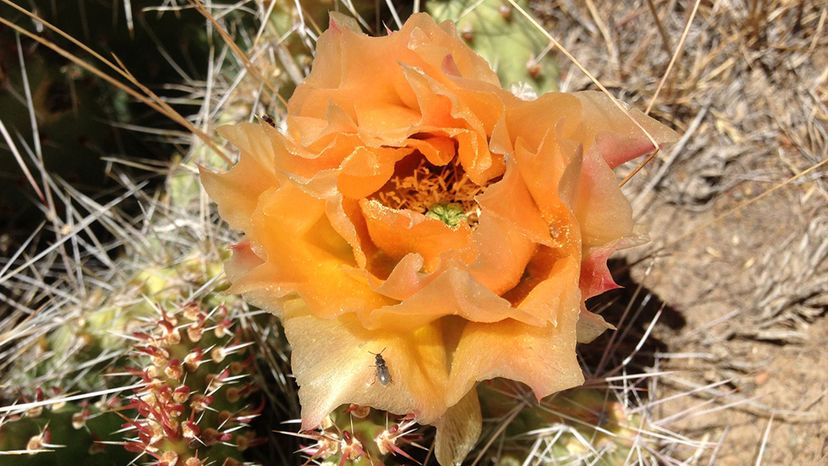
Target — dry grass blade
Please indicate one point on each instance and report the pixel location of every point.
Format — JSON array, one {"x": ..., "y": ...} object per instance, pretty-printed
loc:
[
  {"x": 23, "y": 167},
  {"x": 249, "y": 66},
  {"x": 149, "y": 98},
  {"x": 665, "y": 39},
  {"x": 765, "y": 438},
  {"x": 19, "y": 408},
  {"x": 592, "y": 78},
  {"x": 78, "y": 227},
  {"x": 673, "y": 59}
]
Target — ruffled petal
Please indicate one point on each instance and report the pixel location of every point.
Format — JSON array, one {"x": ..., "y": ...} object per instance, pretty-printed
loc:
[
  {"x": 400, "y": 232},
  {"x": 603, "y": 212},
  {"x": 510, "y": 201},
  {"x": 438, "y": 150},
  {"x": 549, "y": 286},
  {"x": 541, "y": 357},
  {"x": 502, "y": 253},
  {"x": 550, "y": 173},
  {"x": 237, "y": 191},
  {"x": 297, "y": 240},
  {"x": 260, "y": 283},
  {"x": 405, "y": 279},
  {"x": 432, "y": 43},
  {"x": 595, "y": 275},
  {"x": 366, "y": 170},
  {"x": 454, "y": 292},
  {"x": 613, "y": 133}
]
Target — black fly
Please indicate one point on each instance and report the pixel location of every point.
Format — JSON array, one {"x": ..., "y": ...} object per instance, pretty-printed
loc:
[
  {"x": 268, "y": 119},
  {"x": 382, "y": 369}
]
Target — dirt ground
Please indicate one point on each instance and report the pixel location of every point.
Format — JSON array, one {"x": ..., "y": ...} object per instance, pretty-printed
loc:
[{"x": 747, "y": 275}]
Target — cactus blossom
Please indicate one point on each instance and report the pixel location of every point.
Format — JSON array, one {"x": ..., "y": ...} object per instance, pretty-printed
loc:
[{"x": 413, "y": 207}]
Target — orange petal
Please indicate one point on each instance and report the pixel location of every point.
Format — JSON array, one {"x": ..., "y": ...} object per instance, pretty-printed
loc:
[
  {"x": 405, "y": 279},
  {"x": 237, "y": 191},
  {"x": 438, "y": 150},
  {"x": 339, "y": 76},
  {"x": 385, "y": 123},
  {"x": 346, "y": 219},
  {"x": 510, "y": 201},
  {"x": 326, "y": 154},
  {"x": 432, "y": 43},
  {"x": 549, "y": 286},
  {"x": 311, "y": 132},
  {"x": 532, "y": 120},
  {"x": 604, "y": 213},
  {"x": 614, "y": 133},
  {"x": 400, "y": 232},
  {"x": 474, "y": 155},
  {"x": 484, "y": 104},
  {"x": 550, "y": 173},
  {"x": 433, "y": 104},
  {"x": 260, "y": 283},
  {"x": 453, "y": 292},
  {"x": 468, "y": 129},
  {"x": 502, "y": 253},
  {"x": 366, "y": 170},
  {"x": 333, "y": 365},
  {"x": 298, "y": 241}
]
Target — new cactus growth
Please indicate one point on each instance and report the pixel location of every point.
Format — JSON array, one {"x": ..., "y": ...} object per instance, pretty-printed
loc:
[
  {"x": 361, "y": 436},
  {"x": 195, "y": 405},
  {"x": 193, "y": 408},
  {"x": 516, "y": 50}
]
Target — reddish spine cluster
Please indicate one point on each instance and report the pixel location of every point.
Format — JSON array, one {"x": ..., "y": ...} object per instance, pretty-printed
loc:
[{"x": 195, "y": 390}]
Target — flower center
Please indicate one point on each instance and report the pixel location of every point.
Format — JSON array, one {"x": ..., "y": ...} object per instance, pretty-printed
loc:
[{"x": 442, "y": 192}]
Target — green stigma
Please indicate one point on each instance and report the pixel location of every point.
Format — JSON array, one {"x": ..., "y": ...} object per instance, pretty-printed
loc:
[{"x": 449, "y": 213}]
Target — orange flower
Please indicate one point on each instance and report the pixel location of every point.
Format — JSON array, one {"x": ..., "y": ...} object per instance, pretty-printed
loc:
[{"x": 415, "y": 208}]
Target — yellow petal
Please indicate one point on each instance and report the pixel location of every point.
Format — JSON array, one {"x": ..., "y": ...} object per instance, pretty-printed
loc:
[
  {"x": 333, "y": 365},
  {"x": 591, "y": 326},
  {"x": 458, "y": 430},
  {"x": 541, "y": 357}
]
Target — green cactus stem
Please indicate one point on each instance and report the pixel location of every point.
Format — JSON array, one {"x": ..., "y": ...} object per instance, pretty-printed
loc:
[
  {"x": 507, "y": 40},
  {"x": 361, "y": 436},
  {"x": 196, "y": 404},
  {"x": 68, "y": 435}
]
